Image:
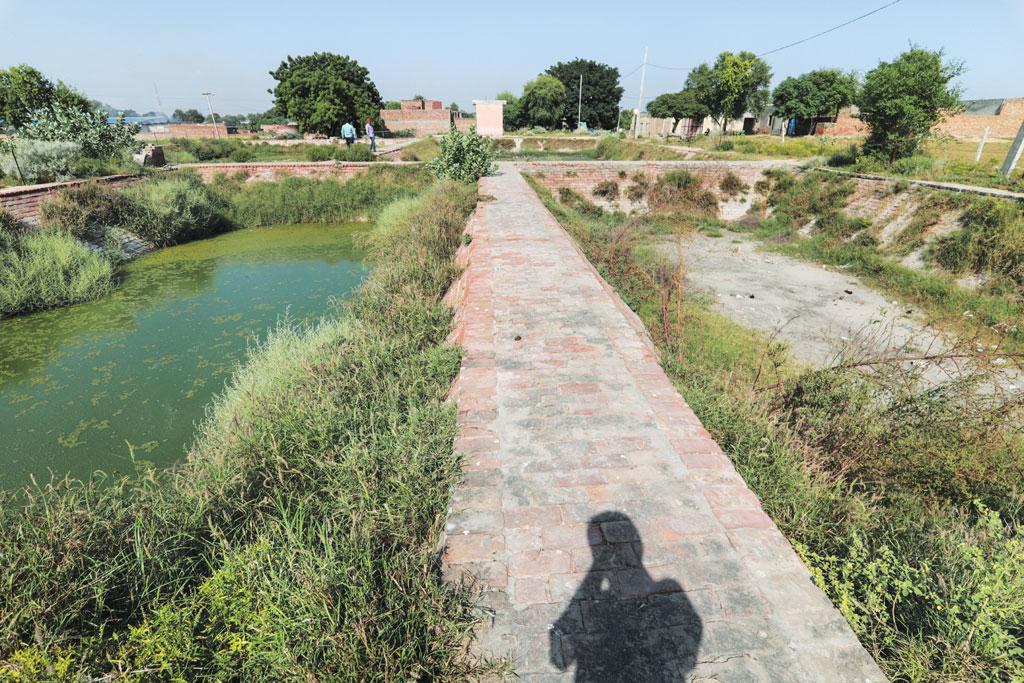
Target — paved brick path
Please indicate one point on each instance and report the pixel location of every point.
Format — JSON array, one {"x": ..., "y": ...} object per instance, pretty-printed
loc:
[{"x": 614, "y": 539}]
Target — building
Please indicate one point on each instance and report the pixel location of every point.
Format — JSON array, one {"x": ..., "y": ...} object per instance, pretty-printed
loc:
[
  {"x": 421, "y": 117},
  {"x": 1002, "y": 117}
]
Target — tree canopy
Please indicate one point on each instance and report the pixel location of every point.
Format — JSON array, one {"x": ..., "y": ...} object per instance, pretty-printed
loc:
[
  {"x": 818, "y": 93},
  {"x": 188, "y": 116},
  {"x": 903, "y": 99},
  {"x": 601, "y": 92},
  {"x": 543, "y": 101},
  {"x": 24, "y": 91},
  {"x": 736, "y": 84},
  {"x": 322, "y": 91},
  {"x": 513, "y": 111},
  {"x": 677, "y": 105}
]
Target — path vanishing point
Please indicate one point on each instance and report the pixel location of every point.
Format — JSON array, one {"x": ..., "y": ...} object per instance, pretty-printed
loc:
[{"x": 612, "y": 538}]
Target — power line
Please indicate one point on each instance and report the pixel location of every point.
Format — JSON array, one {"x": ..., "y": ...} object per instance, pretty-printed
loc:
[{"x": 834, "y": 28}]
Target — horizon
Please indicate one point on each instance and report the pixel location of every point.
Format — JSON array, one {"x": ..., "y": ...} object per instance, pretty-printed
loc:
[{"x": 411, "y": 49}]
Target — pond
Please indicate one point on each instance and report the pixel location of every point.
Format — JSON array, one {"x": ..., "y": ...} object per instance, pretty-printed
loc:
[{"x": 84, "y": 387}]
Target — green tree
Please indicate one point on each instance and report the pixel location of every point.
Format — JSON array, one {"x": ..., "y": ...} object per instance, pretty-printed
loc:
[
  {"x": 322, "y": 91},
  {"x": 601, "y": 92},
  {"x": 463, "y": 156},
  {"x": 902, "y": 100},
  {"x": 392, "y": 104},
  {"x": 677, "y": 105},
  {"x": 543, "y": 101},
  {"x": 513, "y": 112},
  {"x": 188, "y": 116},
  {"x": 736, "y": 84},
  {"x": 815, "y": 94},
  {"x": 24, "y": 91},
  {"x": 88, "y": 129}
]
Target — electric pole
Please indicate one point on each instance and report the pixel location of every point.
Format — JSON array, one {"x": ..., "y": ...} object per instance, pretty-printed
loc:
[
  {"x": 209, "y": 103},
  {"x": 579, "y": 106},
  {"x": 640, "y": 100}
]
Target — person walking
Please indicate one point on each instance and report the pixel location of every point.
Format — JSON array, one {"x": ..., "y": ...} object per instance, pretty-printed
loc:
[
  {"x": 370, "y": 133},
  {"x": 348, "y": 131}
]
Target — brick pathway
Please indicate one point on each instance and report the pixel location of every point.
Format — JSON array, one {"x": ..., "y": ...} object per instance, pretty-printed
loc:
[{"x": 613, "y": 538}]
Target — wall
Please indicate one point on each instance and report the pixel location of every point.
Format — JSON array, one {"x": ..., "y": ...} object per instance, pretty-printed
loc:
[
  {"x": 490, "y": 117},
  {"x": 188, "y": 130},
  {"x": 1005, "y": 124},
  {"x": 584, "y": 176},
  {"x": 421, "y": 122},
  {"x": 279, "y": 128},
  {"x": 23, "y": 201}
]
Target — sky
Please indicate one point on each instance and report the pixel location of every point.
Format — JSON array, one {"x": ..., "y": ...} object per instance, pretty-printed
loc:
[{"x": 123, "y": 53}]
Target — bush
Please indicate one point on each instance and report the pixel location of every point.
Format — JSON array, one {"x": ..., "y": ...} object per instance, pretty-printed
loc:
[
  {"x": 991, "y": 240},
  {"x": 76, "y": 209},
  {"x": 242, "y": 154},
  {"x": 464, "y": 156},
  {"x": 732, "y": 185},
  {"x": 88, "y": 129},
  {"x": 847, "y": 158},
  {"x": 608, "y": 189},
  {"x": 574, "y": 200},
  {"x": 39, "y": 161},
  {"x": 175, "y": 208},
  {"x": 9, "y": 225},
  {"x": 724, "y": 145},
  {"x": 49, "y": 269},
  {"x": 681, "y": 191}
]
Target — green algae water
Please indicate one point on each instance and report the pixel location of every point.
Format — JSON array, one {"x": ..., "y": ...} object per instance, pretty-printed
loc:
[{"x": 84, "y": 387}]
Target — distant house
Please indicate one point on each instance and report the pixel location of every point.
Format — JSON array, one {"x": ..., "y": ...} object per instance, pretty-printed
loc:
[
  {"x": 422, "y": 117},
  {"x": 1002, "y": 117},
  {"x": 155, "y": 119}
]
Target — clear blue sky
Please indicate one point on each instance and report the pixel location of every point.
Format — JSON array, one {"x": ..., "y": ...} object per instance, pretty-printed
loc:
[{"x": 472, "y": 49}]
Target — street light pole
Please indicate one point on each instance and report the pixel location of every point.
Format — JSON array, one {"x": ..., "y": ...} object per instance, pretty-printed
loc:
[
  {"x": 579, "y": 106},
  {"x": 209, "y": 103},
  {"x": 640, "y": 100}
]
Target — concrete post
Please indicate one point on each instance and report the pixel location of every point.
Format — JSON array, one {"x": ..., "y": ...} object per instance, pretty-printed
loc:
[
  {"x": 490, "y": 117},
  {"x": 981, "y": 145},
  {"x": 1014, "y": 155}
]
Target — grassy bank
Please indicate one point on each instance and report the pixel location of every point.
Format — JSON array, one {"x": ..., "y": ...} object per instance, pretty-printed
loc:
[
  {"x": 190, "y": 151},
  {"x": 989, "y": 243},
  {"x": 903, "y": 502},
  {"x": 298, "y": 540}
]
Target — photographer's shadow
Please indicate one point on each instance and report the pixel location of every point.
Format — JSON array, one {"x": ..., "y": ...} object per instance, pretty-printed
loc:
[{"x": 620, "y": 624}]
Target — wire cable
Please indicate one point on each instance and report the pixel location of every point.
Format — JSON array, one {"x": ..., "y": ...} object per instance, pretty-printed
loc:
[{"x": 834, "y": 28}]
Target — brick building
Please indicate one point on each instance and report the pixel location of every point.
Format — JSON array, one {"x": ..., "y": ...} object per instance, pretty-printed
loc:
[
  {"x": 1002, "y": 117},
  {"x": 422, "y": 117}
]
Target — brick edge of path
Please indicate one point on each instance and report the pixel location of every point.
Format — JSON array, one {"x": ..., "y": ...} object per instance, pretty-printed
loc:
[{"x": 763, "y": 617}]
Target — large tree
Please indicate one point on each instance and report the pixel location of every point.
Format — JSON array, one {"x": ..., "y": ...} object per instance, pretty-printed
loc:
[
  {"x": 24, "y": 91},
  {"x": 902, "y": 100},
  {"x": 601, "y": 92},
  {"x": 677, "y": 105},
  {"x": 815, "y": 94},
  {"x": 188, "y": 116},
  {"x": 322, "y": 91},
  {"x": 542, "y": 101},
  {"x": 736, "y": 84},
  {"x": 513, "y": 112}
]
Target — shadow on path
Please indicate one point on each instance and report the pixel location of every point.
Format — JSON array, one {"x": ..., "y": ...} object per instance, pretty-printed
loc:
[{"x": 621, "y": 625}]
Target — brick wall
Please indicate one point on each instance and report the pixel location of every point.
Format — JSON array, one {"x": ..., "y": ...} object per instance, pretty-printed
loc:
[
  {"x": 846, "y": 125},
  {"x": 23, "y": 201},
  {"x": 584, "y": 176},
  {"x": 1005, "y": 124},
  {"x": 421, "y": 122}
]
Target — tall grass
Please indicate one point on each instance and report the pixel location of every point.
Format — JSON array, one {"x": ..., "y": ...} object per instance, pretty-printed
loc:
[
  {"x": 613, "y": 148},
  {"x": 903, "y": 502},
  {"x": 49, "y": 269},
  {"x": 298, "y": 540}
]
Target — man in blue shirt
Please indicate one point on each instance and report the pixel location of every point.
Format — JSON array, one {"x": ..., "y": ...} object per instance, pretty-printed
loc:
[{"x": 348, "y": 132}]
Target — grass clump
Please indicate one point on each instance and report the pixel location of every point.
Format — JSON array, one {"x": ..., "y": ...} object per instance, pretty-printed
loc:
[
  {"x": 173, "y": 208},
  {"x": 902, "y": 499},
  {"x": 614, "y": 148},
  {"x": 732, "y": 185},
  {"x": 298, "y": 540},
  {"x": 48, "y": 269},
  {"x": 421, "y": 150},
  {"x": 357, "y": 152},
  {"x": 607, "y": 189},
  {"x": 681, "y": 191},
  {"x": 990, "y": 241}
]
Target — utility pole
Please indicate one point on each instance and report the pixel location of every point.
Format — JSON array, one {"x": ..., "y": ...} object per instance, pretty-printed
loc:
[
  {"x": 159, "y": 104},
  {"x": 981, "y": 145},
  {"x": 579, "y": 106},
  {"x": 209, "y": 103},
  {"x": 1014, "y": 155},
  {"x": 640, "y": 100}
]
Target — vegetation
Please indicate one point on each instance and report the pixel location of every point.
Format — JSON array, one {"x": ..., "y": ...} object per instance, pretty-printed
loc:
[
  {"x": 815, "y": 94},
  {"x": 678, "y": 105},
  {"x": 902, "y": 100},
  {"x": 25, "y": 92},
  {"x": 463, "y": 156},
  {"x": 735, "y": 84},
  {"x": 421, "y": 150},
  {"x": 614, "y": 148},
  {"x": 88, "y": 129},
  {"x": 542, "y": 102},
  {"x": 47, "y": 269},
  {"x": 299, "y": 539},
  {"x": 37, "y": 161},
  {"x": 902, "y": 500},
  {"x": 601, "y": 92},
  {"x": 323, "y": 91},
  {"x": 188, "y": 116}
]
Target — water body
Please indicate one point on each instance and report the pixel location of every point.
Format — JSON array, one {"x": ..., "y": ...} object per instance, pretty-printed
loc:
[{"x": 83, "y": 387}]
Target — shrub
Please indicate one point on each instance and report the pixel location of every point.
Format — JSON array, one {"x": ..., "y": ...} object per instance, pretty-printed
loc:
[
  {"x": 9, "y": 225},
  {"x": 39, "y": 161},
  {"x": 574, "y": 200},
  {"x": 88, "y": 129},
  {"x": 359, "y": 152},
  {"x": 732, "y": 185},
  {"x": 76, "y": 209},
  {"x": 608, "y": 189},
  {"x": 990, "y": 240},
  {"x": 463, "y": 156},
  {"x": 175, "y": 208},
  {"x": 681, "y": 191},
  {"x": 242, "y": 154},
  {"x": 847, "y": 158},
  {"x": 49, "y": 269},
  {"x": 724, "y": 145}
]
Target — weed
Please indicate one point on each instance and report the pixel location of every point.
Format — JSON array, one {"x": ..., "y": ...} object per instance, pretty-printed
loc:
[
  {"x": 732, "y": 185},
  {"x": 607, "y": 189}
]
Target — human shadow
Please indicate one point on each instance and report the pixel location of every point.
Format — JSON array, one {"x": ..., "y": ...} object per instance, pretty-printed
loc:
[{"x": 621, "y": 624}]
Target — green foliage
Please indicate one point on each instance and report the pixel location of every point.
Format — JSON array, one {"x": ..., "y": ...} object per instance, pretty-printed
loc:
[
  {"x": 357, "y": 152},
  {"x": 188, "y": 116},
  {"x": 601, "y": 92},
  {"x": 40, "y": 270},
  {"x": 577, "y": 202},
  {"x": 89, "y": 130},
  {"x": 169, "y": 209},
  {"x": 25, "y": 91},
  {"x": 464, "y": 156},
  {"x": 39, "y": 161},
  {"x": 731, "y": 184},
  {"x": 607, "y": 189},
  {"x": 513, "y": 111},
  {"x": 613, "y": 148},
  {"x": 421, "y": 150},
  {"x": 815, "y": 94},
  {"x": 76, "y": 209},
  {"x": 681, "y": 192},
  {"x": 736, "y": 84},
  {"x": 298, "y": 541},
  {"x": 902, "y": 100},
  {"x": 543, "y": 101},
  {"x": 679, "y": 105},
  {"x": 323, "y": 91},
  {"x": 991, "y": 241},
  {"x": 326, "y": 200}
]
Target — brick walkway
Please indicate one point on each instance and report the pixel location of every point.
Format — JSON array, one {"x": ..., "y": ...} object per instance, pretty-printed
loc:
[{"x": 613, "y": 538}]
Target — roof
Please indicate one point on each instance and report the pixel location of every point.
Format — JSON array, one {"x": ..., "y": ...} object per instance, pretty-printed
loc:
[
  {"x": 141, "y": 120},
  {"x": 982, "y": 107}
]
